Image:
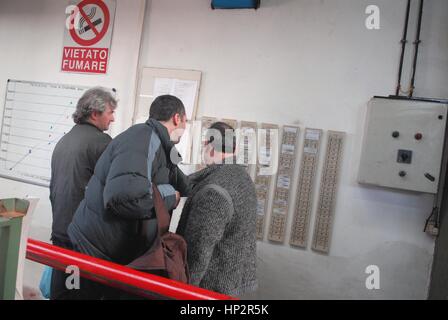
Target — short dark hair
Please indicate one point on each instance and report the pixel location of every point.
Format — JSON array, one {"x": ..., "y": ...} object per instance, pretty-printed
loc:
[
  {"x": 166, "y": 106},
  {"x": 222, "y": 137}
]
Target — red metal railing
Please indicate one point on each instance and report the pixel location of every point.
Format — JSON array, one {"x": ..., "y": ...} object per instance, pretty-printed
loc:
[{"x": 118, "y": 276}]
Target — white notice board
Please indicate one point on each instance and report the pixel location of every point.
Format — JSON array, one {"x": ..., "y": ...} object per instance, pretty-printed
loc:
[
  {"x": 184, "y": 84},
  {"x": 35, "y": 116},
  {"x": 154, "y": 82}
]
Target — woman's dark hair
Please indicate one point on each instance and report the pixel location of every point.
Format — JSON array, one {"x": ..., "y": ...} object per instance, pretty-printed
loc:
[{"x": 222, "y": 137}]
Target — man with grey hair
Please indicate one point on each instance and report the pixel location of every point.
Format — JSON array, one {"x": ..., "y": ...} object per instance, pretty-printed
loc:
[{"x": 72, "y": 165}]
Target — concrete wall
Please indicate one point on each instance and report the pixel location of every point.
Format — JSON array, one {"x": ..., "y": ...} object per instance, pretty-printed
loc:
[
  {"x": 306, "y": 62},
  {"x": 31, "y": 42},
  {"x": 314, "y": 63},
  {"x": 438, "y": 289}
]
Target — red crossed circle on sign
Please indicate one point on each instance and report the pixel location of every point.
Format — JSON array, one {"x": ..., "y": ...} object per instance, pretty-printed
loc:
[{"x": 98, "y": 34}]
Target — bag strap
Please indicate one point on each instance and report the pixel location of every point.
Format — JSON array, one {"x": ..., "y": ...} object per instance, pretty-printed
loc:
[
  {"x": 222, "y": 192},
  {"x": 163, "y": 217}
]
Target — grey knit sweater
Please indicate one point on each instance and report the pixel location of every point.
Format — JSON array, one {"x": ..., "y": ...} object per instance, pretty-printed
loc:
[{"x": 218, "y": 222}]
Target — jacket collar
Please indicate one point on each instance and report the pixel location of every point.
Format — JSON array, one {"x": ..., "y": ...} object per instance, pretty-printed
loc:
[
  {"x": 210, "y": 169},
  {"x": 165, "y": 140},
  {"x": 89, "y": 124}
]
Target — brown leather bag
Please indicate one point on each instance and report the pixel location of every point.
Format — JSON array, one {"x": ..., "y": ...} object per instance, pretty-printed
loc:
[{"x": 167, "y": 257}]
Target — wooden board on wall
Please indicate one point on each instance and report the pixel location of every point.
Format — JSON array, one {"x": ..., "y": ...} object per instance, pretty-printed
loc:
[{"x": 155, "y": 81}]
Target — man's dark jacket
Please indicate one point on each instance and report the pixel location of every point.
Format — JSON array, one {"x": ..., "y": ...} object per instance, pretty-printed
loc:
[
  {"x": 118, "y": 200},
  {"x": 72, "y": 164}
]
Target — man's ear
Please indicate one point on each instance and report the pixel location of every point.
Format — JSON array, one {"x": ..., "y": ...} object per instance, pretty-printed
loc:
[
  {"x": 176, "y": 119},
  {"x": 94, "y": 115}
]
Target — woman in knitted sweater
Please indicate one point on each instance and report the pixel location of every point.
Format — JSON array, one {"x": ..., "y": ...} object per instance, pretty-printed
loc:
[{"x": 219, "y": 219}]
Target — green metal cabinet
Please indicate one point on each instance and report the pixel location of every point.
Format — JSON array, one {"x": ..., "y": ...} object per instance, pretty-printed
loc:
[{"x": 11, "y": 214}]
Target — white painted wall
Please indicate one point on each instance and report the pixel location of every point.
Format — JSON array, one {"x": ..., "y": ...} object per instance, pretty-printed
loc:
[
  {"x": 306, "y": 62},
  {"x": 313, "y": 63},
  {"x": 31, "y": 42}
]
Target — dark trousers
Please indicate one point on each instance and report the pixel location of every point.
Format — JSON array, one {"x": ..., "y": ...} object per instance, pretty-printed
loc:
[{"x": 88, "y": 290}]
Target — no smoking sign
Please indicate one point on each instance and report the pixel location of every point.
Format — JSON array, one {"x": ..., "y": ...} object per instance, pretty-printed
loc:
[{"x": 87, "y": 36}]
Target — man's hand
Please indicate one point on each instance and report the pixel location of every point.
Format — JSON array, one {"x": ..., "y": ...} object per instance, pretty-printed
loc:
[{"x": 177, "y": 199}]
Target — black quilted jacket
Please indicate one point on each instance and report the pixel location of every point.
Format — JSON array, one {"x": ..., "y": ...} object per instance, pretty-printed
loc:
[{"x": 118, "y": 197}]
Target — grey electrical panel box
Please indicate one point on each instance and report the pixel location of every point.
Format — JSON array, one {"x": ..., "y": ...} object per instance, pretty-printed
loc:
[{"x": 403, "y": 144}]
